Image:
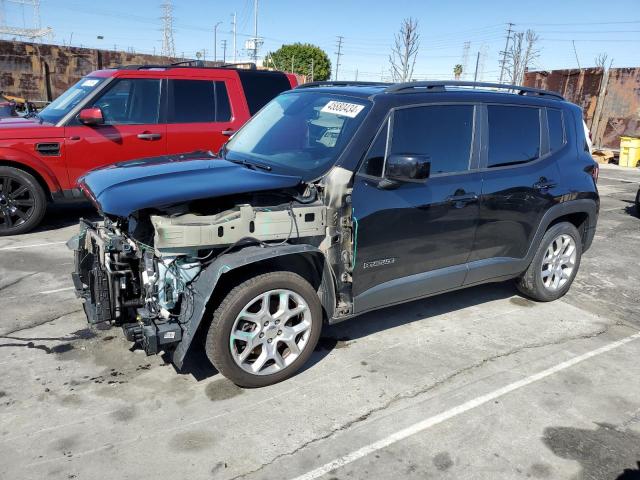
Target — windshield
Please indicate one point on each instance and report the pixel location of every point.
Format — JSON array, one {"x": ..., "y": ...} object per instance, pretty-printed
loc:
[
  {"x": 62, "y": 105},
  {"x": 302, "y": 133}
]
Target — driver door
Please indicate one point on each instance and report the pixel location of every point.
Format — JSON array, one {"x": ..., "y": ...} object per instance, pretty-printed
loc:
[
  {"x": 414, "y": 239},
  {"x": 131, "y": 129}
]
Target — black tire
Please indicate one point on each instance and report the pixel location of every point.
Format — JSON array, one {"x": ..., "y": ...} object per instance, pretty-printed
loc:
[
  {"x": 531, "y": 282},
  {"x": 23, "y": 202},
  {"x": 218, "y": 341}
]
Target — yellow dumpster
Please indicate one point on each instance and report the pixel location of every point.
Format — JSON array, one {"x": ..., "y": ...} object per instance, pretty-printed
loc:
[{"x": 629, "y": 152}]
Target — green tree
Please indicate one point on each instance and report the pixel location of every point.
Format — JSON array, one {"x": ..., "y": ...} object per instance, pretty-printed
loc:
[
  {"x": 457, "y": 71},
  {"x": 301, "y": 58}
]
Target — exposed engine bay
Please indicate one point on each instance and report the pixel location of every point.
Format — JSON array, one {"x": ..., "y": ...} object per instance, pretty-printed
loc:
[{"x": 153, "y": 272}]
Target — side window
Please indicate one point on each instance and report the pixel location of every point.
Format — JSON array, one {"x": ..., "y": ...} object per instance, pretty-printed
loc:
[
  {"x": 556, "y": 129},
  {"x": 374, "y": 161},
  {"x": 514, "y": 135},
  {"x": 442, "y": 132},
  {"x": 192, "y": 101},
  {"x": 223, "y": 106},
  {"x": 131, "y": 102}
]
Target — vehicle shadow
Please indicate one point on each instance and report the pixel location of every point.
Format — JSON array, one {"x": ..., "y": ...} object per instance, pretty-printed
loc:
[
  {"x": 339, "y": 335},
  {"x": 64, "y": 215}
]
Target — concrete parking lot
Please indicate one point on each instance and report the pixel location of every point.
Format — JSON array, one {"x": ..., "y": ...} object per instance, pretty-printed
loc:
[{"x": 481, "y": 383}]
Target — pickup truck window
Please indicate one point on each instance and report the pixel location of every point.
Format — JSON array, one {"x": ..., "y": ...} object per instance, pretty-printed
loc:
[{"x": 198, "y": 101}]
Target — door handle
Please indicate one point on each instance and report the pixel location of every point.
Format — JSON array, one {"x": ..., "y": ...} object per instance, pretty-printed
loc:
[
  {"x": 149, "y": 136},
  {"x": 544, "y": 184},
  {"x": 461, "y": 200},
  {"x": 228, "y": 132}
]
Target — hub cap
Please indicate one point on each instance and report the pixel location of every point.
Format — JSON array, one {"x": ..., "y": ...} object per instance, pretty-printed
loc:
[
  {"x": 559, "y": 262},
  {"x": 16, "y": 203},
  {"x": 270, "y": 332}
]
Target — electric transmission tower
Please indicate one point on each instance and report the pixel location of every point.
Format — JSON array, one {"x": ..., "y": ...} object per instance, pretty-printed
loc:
[
  {"x": 168, "y": 46},
  {"x": 503, "y": 61},
  {"x": 484, "y": 52},
  {"x": 465, "y": 59},
  {"x": 33, "y": 32},
  {"x": 338, "y": 54}
]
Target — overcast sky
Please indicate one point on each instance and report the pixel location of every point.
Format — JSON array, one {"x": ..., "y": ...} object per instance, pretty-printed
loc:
[{"x": 367, "y": 27}]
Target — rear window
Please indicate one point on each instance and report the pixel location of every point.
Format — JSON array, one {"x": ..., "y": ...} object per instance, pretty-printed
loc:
[
  {"x": 261, "y": 87},
  {"x": 198, "y": 101},
  {"x": 556, "y": 129},
  {"x": 514, "y": 135}
]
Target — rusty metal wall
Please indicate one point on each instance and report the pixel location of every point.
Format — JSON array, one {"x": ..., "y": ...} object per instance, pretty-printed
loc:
[
  {"x": 610, "y": 100},
  {"x": 42, "y": 72}
]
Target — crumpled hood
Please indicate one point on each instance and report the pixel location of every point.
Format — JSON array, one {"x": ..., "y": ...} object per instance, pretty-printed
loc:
[{"x": 125, "y": 188}]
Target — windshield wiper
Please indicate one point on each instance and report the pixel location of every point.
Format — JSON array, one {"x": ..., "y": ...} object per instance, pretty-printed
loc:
[{"x": 249, "y": 164}]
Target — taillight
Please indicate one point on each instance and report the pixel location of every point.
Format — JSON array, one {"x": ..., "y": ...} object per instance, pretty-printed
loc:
[{"x": 595, "y": 171}]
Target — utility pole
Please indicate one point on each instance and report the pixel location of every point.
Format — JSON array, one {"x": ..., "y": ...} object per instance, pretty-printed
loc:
[
  {"x": 503, "y": 62},
  {"x": 312, "y": 69},
  {"x": 255, "y": 31},
  {"x": 215, "y": 41},
  {"x": 475, "y": 76},
  {"x": 575, "y": 52},
  {"x": 235, "y": 50},
  {"x": 224, "y": 51},
  {"x": 356, "y": 75},
  {"x": 338, "y": 54}
]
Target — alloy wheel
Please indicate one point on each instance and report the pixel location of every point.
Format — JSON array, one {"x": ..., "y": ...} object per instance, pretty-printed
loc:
[
  {"x": 270, "y": 332},
  {"x": 559, "y": 262},
  {"x": 17, "y": 203}
]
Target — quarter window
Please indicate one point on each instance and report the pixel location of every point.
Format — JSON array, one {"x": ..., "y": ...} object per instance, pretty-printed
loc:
[
  {"x": 131, "y": 102},
  {"x": 198, "y": 101},
  {"x": 556, "y": 129},
  {"x": 514, "y": 135},
  {"x": 374, "y": 162},
  {"x": 444, "y": 133}
]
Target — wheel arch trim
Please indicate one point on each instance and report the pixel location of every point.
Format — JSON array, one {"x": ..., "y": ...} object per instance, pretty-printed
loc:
[
  {"x": 41, "y": 171},
  {"x": 206, "y": 283}
]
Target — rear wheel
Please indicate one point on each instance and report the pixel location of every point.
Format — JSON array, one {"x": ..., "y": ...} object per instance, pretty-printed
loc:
[
  {"x": 265, "y": 329},
  {"x": 23, "y": 202},
  {"x": 554, "y": 265}
]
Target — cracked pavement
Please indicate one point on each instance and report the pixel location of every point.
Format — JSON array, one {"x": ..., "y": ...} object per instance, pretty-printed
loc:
[{"x": 77, "y": 403}]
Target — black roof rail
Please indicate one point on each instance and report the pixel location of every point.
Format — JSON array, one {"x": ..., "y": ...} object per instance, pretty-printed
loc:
[
  {"x": 343, "y": 83},
  {"x": 187, "y": 64},
  {"x": 439, "y": 86}
]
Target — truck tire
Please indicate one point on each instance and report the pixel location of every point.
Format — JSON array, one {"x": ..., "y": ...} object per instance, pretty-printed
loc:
[
  {"x": 265, "y": 329},
  {"x": 555, "y": 264},
  {"x": 23, "y": 202}
]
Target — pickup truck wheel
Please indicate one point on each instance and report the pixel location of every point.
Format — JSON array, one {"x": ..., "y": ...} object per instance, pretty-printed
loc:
[
  {"x": 265, "y": 329},
  {"x": 554, "y": 265},
  {"x": 22, "y": 201}
]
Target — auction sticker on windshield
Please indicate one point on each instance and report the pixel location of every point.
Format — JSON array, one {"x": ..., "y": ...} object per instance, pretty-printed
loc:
[{"x": 346, "y": 109}]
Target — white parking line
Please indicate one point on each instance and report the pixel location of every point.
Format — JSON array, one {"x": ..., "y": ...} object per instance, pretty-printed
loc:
[
  {"x": 458, "y": 410},
  {"x": 46, "y": 292},
  {"x": 18, "y": 247}
]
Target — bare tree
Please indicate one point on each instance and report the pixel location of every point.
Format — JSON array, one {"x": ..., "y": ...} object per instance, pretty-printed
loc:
[
  {"x": 404, "y": 52},
  {"x": 521, "y": 54},
  {"x": 601, "y": 61},
  {"x": 457, "y": 71}
]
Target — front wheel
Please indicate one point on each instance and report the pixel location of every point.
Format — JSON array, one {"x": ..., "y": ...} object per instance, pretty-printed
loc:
[
  {"x": 265, "y": 329},
  {"x": 554, "y": 265},
  {"x": 23, "y": 202}
]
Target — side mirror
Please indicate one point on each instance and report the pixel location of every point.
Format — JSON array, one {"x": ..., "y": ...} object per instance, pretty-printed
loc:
[
  {"x": 91, "y": 116},
  {"x": 407, "y": 168}
]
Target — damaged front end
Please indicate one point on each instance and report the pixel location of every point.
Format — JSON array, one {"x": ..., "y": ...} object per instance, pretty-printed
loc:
[{"x": 154, "y": 272}]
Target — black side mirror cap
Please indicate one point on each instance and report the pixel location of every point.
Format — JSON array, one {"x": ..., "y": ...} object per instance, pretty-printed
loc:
[{"x": 407, "y": 168}]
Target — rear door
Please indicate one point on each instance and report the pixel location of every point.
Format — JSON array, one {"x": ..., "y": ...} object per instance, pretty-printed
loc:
[
  {"x": 203, "y": 113},
  {"x": 520, "y": 180},
  {"x": 132, "y": 127},
  {"x": 415, "y": 239}
]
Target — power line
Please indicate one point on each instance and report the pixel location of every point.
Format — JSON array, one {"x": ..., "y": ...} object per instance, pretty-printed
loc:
[{"x": 338, "y": 53}]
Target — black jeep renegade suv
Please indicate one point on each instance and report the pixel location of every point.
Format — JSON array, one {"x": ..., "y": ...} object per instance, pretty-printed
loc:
[{"x": 334, "y": 200}]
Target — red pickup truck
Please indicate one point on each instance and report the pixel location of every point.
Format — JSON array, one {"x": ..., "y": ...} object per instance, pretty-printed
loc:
[{"x": 121, "y": 114}]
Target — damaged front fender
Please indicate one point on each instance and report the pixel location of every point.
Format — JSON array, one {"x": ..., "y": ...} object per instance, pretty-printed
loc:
[{"x": 194, "y": 309}]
